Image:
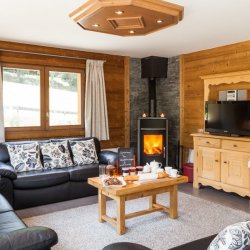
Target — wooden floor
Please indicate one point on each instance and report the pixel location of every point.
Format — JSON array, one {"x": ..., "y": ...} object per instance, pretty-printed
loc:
[
  {"x": 218, "y": 196},
  {"x": 207, "y": 193}
]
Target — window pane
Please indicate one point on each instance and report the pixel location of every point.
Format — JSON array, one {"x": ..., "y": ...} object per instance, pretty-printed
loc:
[
  {"x": 64, "y": 98},
  {"x": 21, "y": 97}
]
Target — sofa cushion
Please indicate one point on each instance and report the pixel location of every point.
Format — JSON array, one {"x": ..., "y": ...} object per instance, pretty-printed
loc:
[
  {"x": 41, "y": 178},
  {"x": 56, "y": 155},
  {"x": 83, "y": 152},
  {"x": 4, "y": 205},
  {"x": 24, "y": 157},
  {"x": 82, "y": 173},
  {"x": 97, "y": 143},
  {"x": 236, "y": 236},
  {"x": 200, "y": 244},
  {"x": 9, "y": 221}
]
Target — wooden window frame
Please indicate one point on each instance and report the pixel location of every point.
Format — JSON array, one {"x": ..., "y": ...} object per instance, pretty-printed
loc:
[
  {"x": 42, "y": 87},
  {"x": 44, "y": 130},
  {"x": 80, "y": 95}
]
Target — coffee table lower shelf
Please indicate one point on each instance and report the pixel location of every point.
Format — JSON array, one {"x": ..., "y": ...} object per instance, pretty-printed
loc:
[{"x": 119, "y": 221}]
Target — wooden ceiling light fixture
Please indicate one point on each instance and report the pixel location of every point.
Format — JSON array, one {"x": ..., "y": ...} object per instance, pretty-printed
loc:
[{"x": 127, "y": 17}]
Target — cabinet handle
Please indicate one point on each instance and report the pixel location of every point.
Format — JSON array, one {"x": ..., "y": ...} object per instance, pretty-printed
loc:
[
  {"x": 207, "y": 142},
  {"x": 235, "y": 146},
  {"x": 225, "y": 162},
  {"x": 216, "y": 160}
]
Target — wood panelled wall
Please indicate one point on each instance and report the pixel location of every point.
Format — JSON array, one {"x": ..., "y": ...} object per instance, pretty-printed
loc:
[
  {"x": 116, "y": 70},
  {"x": 231, "y": 58}
]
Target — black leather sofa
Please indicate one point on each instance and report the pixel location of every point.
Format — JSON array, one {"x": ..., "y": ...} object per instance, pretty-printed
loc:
[
  {"x": 200, "y": 244},
  {"x": 15, "y": 235},
  {"x": 39, "y": 187}
]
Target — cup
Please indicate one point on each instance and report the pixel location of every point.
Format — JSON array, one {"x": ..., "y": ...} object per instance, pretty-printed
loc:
[
  {"x": 102, "y": 171},
  {"x": 168, "y": 169},
  {"x": 174, "y": 173}
]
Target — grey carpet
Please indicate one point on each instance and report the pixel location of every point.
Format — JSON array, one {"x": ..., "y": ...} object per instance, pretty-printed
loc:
[{"x": 78, "y": 228}]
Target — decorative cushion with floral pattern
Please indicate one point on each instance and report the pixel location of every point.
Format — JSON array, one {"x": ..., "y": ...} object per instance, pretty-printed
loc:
[
  {"x": 84, "y": 152},
  {"x": 236, "y": 236},
  {"x": 24, "y": 157},
  {"x": 56, "y": 155}
]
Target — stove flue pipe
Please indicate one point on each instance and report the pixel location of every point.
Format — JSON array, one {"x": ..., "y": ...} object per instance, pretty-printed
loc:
[{"x": 152, "y": 97}]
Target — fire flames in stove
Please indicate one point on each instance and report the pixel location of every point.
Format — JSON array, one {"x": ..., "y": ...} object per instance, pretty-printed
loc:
[{"x": 153, "y": 144}]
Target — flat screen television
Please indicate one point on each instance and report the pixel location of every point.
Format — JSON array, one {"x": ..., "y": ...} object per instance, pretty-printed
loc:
[{"x": 228, "y": 117}]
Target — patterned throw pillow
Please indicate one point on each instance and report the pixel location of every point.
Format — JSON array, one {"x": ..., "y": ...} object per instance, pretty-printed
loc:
[
  {"x": 56, "y": 155},
  {"x": 84, "y": 152},
  {"x": 236, "y": 236},
  {"x": 24, "y": 157}
]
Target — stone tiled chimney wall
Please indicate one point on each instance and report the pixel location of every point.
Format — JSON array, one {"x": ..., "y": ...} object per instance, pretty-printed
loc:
[{"x": 168, "y": 96}]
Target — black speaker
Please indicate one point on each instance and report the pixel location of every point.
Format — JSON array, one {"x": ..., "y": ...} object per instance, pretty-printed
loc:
[{"x": 154, "y": 67}]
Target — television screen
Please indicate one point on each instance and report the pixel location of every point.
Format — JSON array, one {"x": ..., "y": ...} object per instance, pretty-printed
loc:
[{"x": 228, "y": 117}]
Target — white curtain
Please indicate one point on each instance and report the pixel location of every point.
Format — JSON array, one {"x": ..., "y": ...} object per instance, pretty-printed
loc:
[
  {"x": 96, "y": 115},
  {"x": 2, "y": 136}
]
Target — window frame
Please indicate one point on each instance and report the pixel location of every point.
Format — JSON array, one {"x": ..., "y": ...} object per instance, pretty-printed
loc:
[
  {"x": 44, "y": 130},
  {"x": 82, "y": 91},
  {"x": 32, "y": 67}
]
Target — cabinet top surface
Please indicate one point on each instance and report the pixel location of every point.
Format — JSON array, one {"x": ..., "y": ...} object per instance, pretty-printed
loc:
[{"x": 233, "y": 138}]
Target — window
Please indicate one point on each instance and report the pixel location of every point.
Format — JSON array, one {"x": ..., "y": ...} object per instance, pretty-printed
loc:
[
  {"x": 21, "y": 97},
  {"x": 64, "y": 98},
  {"x": 45, "y": 101}
]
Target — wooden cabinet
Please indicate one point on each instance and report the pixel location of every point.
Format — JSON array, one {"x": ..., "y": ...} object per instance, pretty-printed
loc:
[
  {"x": 209, "y": 164},
  {"x": 234, "y": 170},
  {"x": 222, "y": 162}
]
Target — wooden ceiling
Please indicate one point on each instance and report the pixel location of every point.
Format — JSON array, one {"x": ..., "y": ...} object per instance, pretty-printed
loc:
[{"x": 127, "y": 17}]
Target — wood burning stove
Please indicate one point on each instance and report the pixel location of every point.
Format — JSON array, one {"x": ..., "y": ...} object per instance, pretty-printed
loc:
[{"x": 152, "y": 140}]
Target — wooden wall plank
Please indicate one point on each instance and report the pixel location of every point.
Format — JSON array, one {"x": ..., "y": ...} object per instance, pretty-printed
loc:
[
  {"x": 116, "y": 71},
  {"x": 230, "y": 58}
]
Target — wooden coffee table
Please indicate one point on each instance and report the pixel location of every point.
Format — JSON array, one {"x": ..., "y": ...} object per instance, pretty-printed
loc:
[{"x": 133, "y": 191}]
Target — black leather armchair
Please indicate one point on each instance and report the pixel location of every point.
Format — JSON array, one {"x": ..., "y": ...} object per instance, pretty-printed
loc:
[{"x": 15, "y": 235}]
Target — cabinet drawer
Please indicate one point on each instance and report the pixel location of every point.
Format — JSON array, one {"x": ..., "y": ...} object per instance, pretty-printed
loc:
[
  {"x": 241, "y": 146},
  {"x": 209, "y": 142}
]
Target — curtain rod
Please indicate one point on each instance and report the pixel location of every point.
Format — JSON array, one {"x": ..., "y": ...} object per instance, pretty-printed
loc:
[{"x": 51, "y": 55}]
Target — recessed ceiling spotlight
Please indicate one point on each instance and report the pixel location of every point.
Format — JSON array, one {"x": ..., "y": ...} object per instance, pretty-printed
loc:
[
  {"x": 131, "y": 32},
  {"x": 119, "y": 12},
  {"x": 159, "y": 21},
  {"x": 96, "y": 25}
]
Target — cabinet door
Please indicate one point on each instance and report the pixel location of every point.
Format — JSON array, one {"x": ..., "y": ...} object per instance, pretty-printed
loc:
[
  {"x": 235, "y": 169},
  {"x": 209, "y": 163}
]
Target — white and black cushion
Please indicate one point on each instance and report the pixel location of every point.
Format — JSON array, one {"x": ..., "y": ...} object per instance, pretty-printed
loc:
[
  {"x": 24, "y": 157},
  {"x": 56, "y": 155},
  {"x": 84, "y": 152},
  {"x": 236, "y": 236}
]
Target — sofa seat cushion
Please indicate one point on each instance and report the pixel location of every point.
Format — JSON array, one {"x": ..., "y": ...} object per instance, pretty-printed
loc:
[
  {"x": 4, "y": 205},
  {"x": 41, "y": 178},
  {"x": 82, "y": 173},
  {"x": 9, "y": 221}
]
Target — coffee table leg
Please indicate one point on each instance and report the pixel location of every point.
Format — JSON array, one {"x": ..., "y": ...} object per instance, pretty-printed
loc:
[
  {"x": 102, "y": 205},
  {"x": 173, "y": 213},
  {"x": 121, "y": 215},
  {"x": 152, "y": 200}
]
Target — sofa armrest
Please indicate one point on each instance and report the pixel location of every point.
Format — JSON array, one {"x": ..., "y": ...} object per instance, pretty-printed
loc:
[
  {"x": 7, "y": 171},
  {"x": 106, "y": 156},
  {"x": 39, "y": 238}
]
